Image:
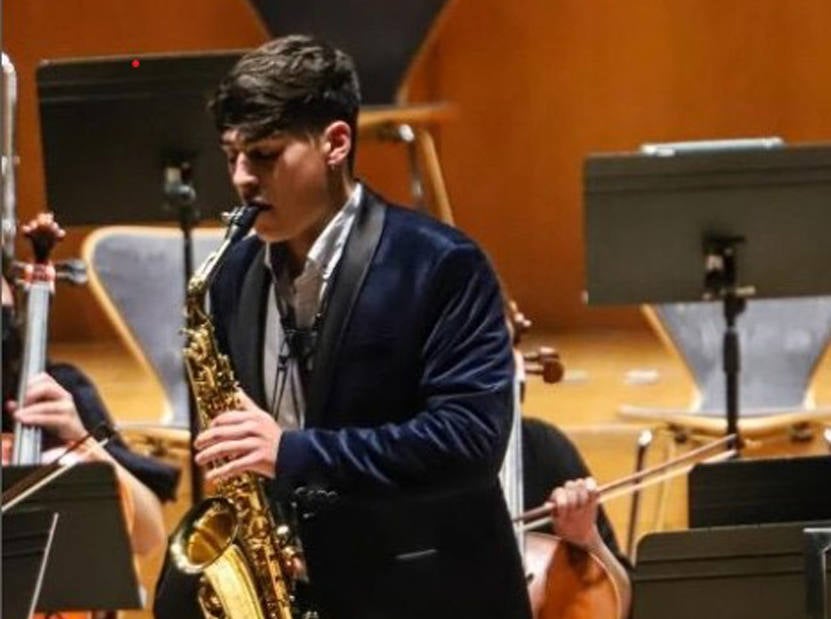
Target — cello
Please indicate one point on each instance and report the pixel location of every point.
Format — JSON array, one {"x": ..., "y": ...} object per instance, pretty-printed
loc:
[
  {"x": 570, "y": 582},
  {"x": 24, "y": 446},
  {"x": 563, "y": 580},
  {"x": 567, "y": 581},
  {"x": 38, "y": 280}
]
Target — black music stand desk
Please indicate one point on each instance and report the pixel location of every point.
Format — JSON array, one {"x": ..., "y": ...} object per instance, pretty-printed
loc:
[
  {"x": 759, "y": 490},
  {"x": 27, "y": 540},
  {"x": 648, "y": 219},
  {"x": 741, "y": 572},
  {"x": 90, "y": 565}
]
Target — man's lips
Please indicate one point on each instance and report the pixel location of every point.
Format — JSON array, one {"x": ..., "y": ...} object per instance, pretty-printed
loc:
[{"x": 260, "y": 204}]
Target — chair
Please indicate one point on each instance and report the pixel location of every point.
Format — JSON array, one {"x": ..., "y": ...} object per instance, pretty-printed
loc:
[
  {"x": 137, "y": 275},
  {"x": 782, "y": 342}
]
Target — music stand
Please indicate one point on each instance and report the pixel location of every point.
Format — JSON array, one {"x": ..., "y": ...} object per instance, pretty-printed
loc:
[
  {"x": 27, "y": 540},
  {"x": 129, "y": 139},
  {"x": 88, "y": 505},
  {"x": 719, "y": 220},
  {"x": 740, "y": 572},
  {"x": 759, "y": 490}
]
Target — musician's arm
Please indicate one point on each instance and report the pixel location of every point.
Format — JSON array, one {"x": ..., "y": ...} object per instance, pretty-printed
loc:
[
  {"x": 141, "y": 505},
  {"x": 50, "y": 406}
]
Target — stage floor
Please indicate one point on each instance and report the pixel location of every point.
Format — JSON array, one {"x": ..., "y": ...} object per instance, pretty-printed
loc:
[{"x": 604, "y": 370}]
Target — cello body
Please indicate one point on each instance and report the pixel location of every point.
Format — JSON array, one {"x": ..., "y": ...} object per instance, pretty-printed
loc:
[{"x": 567, "y": 582}]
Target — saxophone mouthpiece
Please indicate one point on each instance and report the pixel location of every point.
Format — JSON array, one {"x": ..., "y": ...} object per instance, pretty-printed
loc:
[{"x": 240, "y": 220}]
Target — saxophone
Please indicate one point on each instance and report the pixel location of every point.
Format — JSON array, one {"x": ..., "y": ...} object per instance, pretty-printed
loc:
[{"x": 231, "y": 539}]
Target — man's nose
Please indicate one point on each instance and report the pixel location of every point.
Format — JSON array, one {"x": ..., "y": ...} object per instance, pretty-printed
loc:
[{"x": 242, "y": 177}]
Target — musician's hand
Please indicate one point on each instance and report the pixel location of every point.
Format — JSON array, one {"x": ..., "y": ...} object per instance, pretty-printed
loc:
[
  {"x": 247, "y": 438},
  {"x": 49, "y": 406},
  {"x": 574, "y": 511}
]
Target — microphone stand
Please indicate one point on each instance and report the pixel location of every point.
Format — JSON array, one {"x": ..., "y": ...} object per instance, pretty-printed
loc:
[{"x": 181, "y": 194}]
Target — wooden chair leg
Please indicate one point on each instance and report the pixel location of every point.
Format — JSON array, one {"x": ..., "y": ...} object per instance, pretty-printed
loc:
[{"x": 435, "y": 179}]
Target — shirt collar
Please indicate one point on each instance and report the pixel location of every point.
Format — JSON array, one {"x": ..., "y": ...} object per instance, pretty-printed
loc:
[{"x": 324, "y": 252}]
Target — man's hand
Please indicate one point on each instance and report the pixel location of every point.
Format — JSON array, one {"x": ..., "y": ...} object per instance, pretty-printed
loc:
[
  {"x": 49, "y": 406},
  {"x": 244, "y": 440},
  {"x": 575, "y": 511}
]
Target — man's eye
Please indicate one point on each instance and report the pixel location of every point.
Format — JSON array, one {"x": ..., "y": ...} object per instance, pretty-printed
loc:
[{"x": 263, "y": 155}]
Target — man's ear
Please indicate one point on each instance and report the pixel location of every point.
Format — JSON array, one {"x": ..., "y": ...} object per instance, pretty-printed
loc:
[{"x": 337, "y": 143}]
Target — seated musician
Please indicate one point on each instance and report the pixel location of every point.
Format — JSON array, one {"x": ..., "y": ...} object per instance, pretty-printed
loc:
[
  {"x": 553, "y": 471},
  {"x": 66, "y": 405},
  {"x": 551, "y": 460}
]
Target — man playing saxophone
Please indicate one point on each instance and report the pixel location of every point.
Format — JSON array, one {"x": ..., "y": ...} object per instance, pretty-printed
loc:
[{"x": 375, "y": 366}]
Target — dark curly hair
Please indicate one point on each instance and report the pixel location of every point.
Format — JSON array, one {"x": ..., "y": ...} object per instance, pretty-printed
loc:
[{"x": 296, "y": 84}]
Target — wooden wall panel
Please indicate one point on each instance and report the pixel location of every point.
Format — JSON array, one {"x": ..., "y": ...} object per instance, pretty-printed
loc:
[
  {"x": 39, "y": 29},
  {"x": 542, "y": 83},
  {"x": 539, "y": 84}
]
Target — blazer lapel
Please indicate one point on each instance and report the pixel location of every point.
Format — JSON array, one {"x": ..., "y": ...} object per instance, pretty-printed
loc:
[
  {"x": 246, "y": 337},
  {"x": 346, "y": 287}
]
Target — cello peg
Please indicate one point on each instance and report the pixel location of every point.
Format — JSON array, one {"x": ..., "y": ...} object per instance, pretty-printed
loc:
[
  {"x": 541, "y": 354},
  {"x": 73, "y": 271}
]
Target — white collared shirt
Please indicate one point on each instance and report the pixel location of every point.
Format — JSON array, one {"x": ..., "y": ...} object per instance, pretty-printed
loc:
[{"x": 304, "y": 294}]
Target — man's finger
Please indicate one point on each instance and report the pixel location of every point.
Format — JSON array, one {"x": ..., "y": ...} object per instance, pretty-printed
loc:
[
  {"x": 41, "y": 420},
  {"x": 581, "y": 495},
  {"x": 560, "y": 500},
  {"x": 223, "y": 433},
  {"x": 225, "y": 449},
  {"x": 592, "y": 489},
  {"x": 233, "y": 467},
  {"x": 49, "y": 409},
  {"x": 246, "y": 403},
  {"x": 44, "y": 390},
  {"x": 230, "y": 418}
]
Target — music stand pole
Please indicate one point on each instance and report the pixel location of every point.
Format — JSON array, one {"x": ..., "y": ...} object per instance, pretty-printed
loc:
[
  {"x": 180, "y": 193},
  {"x": 721, "y": 282}
]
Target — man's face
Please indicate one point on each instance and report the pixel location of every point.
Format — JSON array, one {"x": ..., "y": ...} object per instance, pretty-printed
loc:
[{"x": 286, "y": 175}]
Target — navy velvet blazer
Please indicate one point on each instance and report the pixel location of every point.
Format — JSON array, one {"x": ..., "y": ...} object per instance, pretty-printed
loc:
[{"x": 394, "y": 476}]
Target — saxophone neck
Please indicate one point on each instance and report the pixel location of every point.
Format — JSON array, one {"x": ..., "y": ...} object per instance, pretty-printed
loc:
[
  {"x": 201, "y": 280},
  {"x": 240, "y": 220}
]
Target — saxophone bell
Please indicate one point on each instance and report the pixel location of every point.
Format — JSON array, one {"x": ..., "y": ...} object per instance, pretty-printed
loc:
[{"x": 212, "y": 527}]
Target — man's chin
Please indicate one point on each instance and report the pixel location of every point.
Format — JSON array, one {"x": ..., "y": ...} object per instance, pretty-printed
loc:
[{"x": 269, "y": 234}]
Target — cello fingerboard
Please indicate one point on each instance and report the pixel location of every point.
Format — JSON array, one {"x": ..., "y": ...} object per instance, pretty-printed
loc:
[{"x": 28, "y": 439}]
